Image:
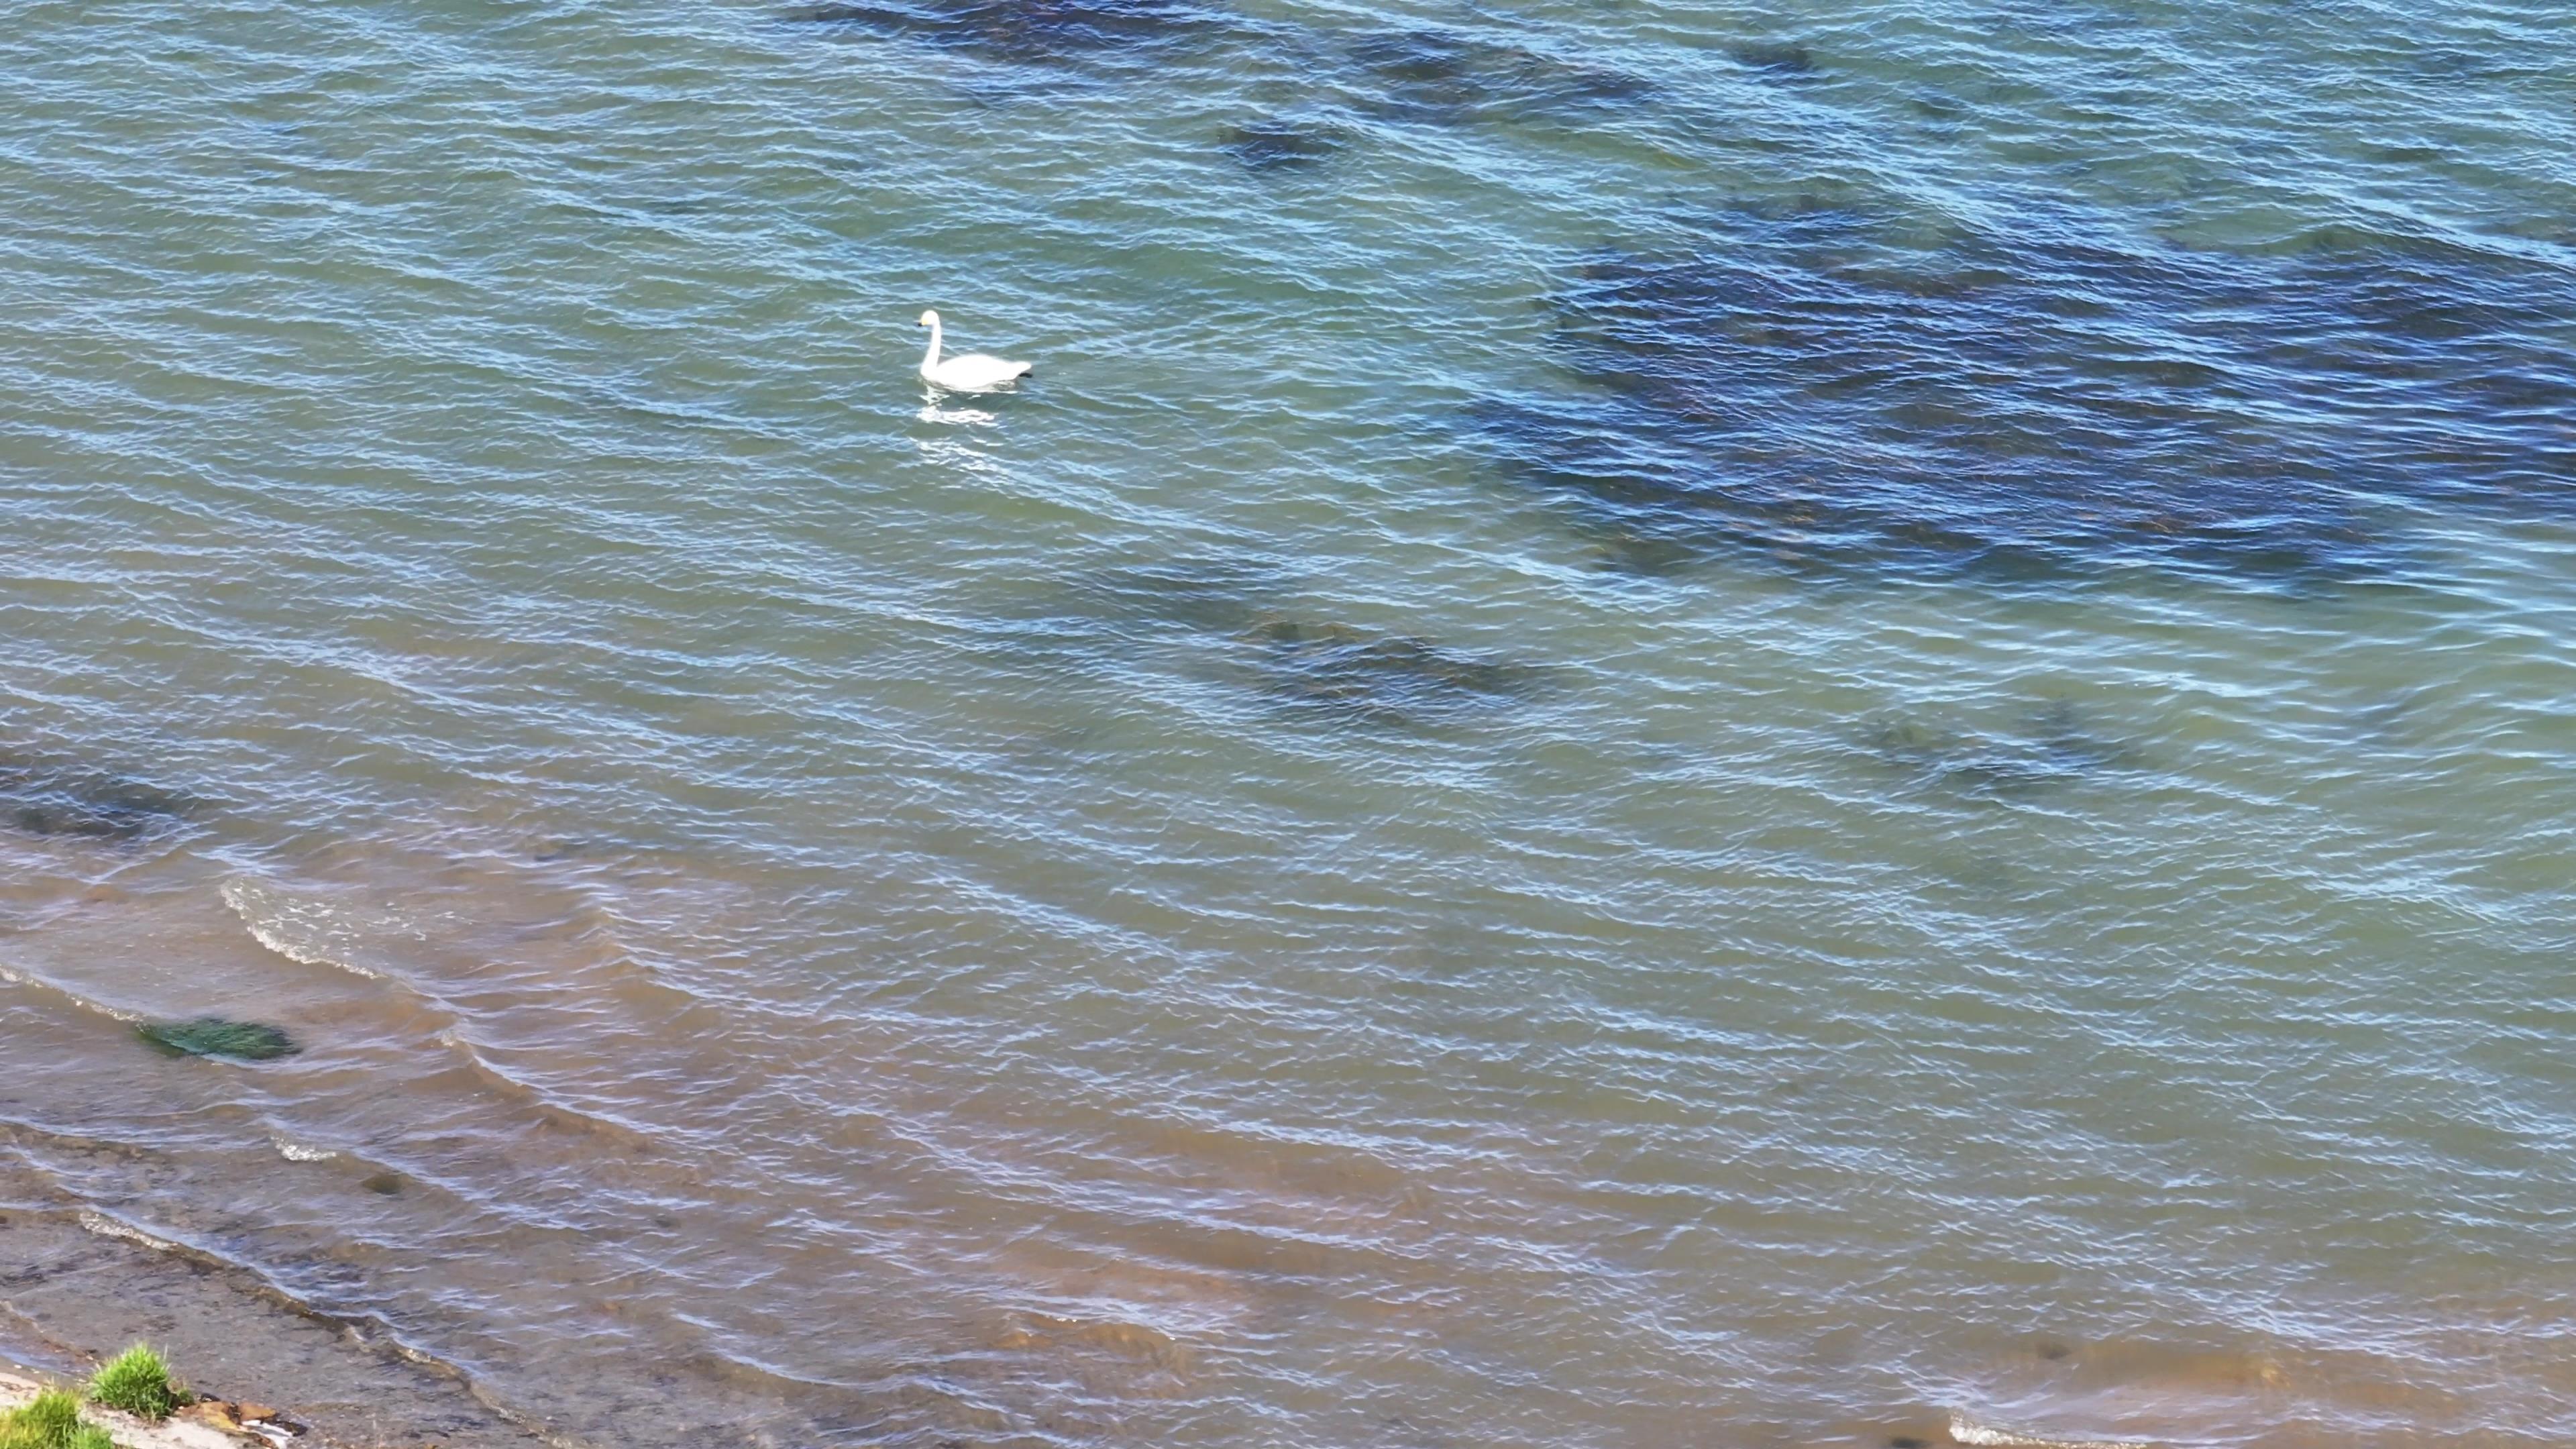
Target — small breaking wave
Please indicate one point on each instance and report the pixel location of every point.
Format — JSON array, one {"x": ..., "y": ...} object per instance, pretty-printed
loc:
[
  {"x": 12, "y": 977},
  {"x": 313, "y": 932},
  {"x": 538, "y": 1099},
  {"x": 294, "y": 1151},
  {"x": 94, "y": 1221},
  {"x": 1968, "y": 1431}
]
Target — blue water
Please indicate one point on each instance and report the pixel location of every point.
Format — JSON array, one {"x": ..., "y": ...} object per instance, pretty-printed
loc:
[{"x": 1659, "y": 726}]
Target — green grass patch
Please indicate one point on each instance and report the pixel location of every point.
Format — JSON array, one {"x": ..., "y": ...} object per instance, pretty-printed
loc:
[
  {"x": 137, "y": 1381},
  {"x": 50, "y": 1421},
  {"x": 91, "y": 1436},
  {"x": 217, "y": 1036}
]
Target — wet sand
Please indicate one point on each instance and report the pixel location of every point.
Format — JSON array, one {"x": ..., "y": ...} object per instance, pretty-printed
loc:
[{"x": 70, "y": 1297}]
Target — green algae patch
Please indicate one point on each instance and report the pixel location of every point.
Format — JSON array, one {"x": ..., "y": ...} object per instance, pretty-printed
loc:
[
  {"x": 138, "y": 1382},
  {"x": 217, "y": 1036}
]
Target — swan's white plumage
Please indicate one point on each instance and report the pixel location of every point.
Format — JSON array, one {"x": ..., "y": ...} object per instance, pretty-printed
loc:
[{"x": 973, "y": 372}]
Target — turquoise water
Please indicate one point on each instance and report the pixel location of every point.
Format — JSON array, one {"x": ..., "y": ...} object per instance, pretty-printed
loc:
[{"x": 1660, "y": 725}]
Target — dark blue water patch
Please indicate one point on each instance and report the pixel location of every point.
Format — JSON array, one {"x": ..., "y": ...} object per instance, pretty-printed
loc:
[
  {"x": 1020, "y": 32},
  {"x": 1442, "y": 77},
  {"x": 2035, "y": 404},
  {"x": 86, "y": 804},
  {"x": 1278, "y": 145},
  {"x": 1658, "y": 495}
]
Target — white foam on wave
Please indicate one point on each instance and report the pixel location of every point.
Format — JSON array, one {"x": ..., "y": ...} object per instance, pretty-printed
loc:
[
  {"x": 92, "y": 1220},
  {"x": 10, "y": 977},
  {"x": 1969, "y": 1431},
  {"x": 294, "y": 1151},
  {"x": 317, "y": 933}
]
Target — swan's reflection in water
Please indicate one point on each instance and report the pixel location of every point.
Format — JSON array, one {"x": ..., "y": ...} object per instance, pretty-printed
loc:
[
  {"x": 932, "y": 412},
  {"x": 957, "y": 451}
]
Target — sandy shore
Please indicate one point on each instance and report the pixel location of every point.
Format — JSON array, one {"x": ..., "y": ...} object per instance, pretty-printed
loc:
[{"x": 71, "y": 1296}]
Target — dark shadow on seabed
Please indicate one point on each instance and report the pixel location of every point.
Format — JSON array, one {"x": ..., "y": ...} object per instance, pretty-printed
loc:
[{"x": 1803, "y": 385}]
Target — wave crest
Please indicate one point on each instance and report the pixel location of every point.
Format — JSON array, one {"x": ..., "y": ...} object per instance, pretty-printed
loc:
[
  {"x": 314, "y": 932},
  {"x": 1968, "y": 1431}
]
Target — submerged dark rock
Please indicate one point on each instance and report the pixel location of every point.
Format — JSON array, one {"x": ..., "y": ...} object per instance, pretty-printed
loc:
[
  {"x": 1241, "y": 606},
  {"x": 1019, "y": 31},
  {"x": 217, "y": 1036},
  {"x": 1443, "y": 77},
  {"x": 2052, "y": 748},
  {"x": 560, "y": 849},
  {"x": 1392, "y": 678},
  {"x": 1219, "y": 594},
  {"x": 1776, "y": 56},
  {"x": 1804, "y": 386},
  {"x": 1274, "y": 145},
  {"x": 85, "y": 805}
]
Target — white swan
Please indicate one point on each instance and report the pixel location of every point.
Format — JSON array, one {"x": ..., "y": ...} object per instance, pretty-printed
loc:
[{"x": 973, "y": 372}]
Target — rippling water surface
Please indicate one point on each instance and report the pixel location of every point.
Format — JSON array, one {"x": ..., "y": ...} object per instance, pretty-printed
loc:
[{"x": 1663, "y": 725}]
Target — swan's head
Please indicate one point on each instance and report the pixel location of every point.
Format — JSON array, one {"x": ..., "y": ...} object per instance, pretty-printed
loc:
[{"x": 929, "y": 319}]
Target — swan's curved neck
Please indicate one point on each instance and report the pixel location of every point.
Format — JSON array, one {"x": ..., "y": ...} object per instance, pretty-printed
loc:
[{"x": 930, "y": 359}]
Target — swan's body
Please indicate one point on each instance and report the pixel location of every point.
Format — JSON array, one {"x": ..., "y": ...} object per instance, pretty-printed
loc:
[{"x": 973, "y": 372}]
